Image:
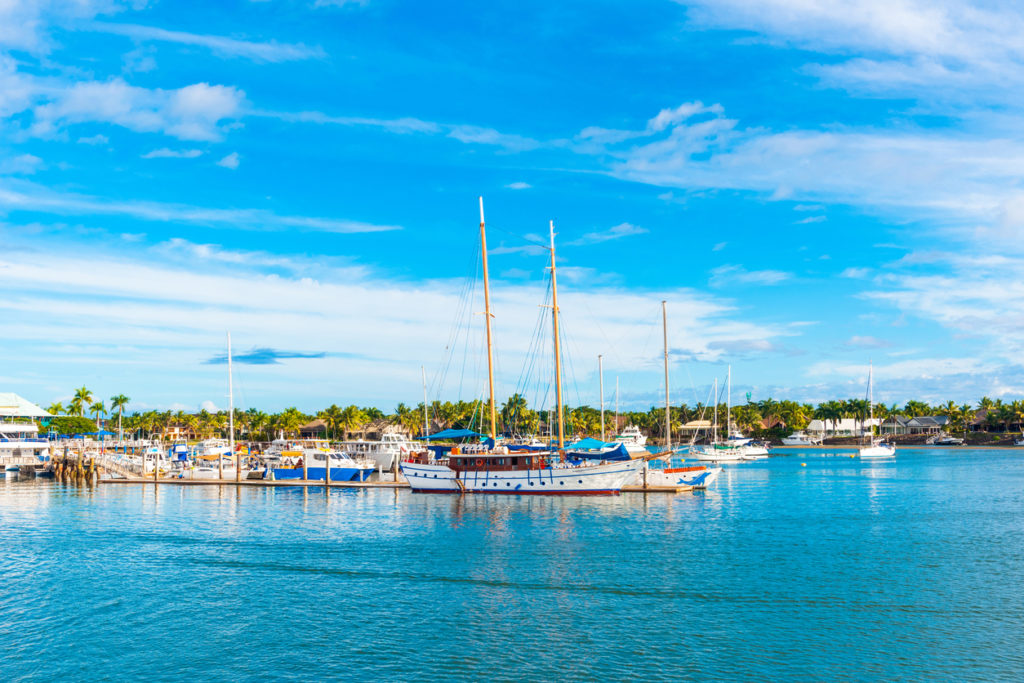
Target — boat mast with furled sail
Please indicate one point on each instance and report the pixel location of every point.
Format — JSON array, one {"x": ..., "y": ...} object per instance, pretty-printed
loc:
[{"x": 487, "y": 468}]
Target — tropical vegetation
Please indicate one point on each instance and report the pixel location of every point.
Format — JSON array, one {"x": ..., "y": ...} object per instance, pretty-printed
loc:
[{"x": 514, "y": 416}]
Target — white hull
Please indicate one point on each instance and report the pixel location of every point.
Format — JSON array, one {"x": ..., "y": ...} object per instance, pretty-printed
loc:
[
  {"x": 606, "y": 479},
  {"x": 878, "y": 451},
  {"x": 798, "y": 441},
  {"x": 718, "y": 455},
  {"x": 697, "y": 478}
]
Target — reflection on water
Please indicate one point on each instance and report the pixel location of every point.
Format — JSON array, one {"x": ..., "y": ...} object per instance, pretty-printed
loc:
[{"x": 813, "y": 566}]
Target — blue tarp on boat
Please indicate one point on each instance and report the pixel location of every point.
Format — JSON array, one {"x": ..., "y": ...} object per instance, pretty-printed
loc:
[
  {"x": 609, "y": 452},
  {"x": 450, "y": 434}
]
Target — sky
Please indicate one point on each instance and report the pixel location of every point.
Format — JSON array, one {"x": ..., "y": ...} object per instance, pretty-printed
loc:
[{"x": 810, "y": 185}]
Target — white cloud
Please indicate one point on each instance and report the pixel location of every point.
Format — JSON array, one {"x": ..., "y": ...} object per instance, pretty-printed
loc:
[
  {"x": 194, "y": 112},
  {"x": 950, "y": 51},
  {"x": 23, "y": 196},
  {"x": 489, "y": 136},
  {"x": 23, "y": 164},
  {"x": 855, "y": 273},
  {"x": 727, "y": 275},
  {"x": 208, "y": 406},
  {"x": 164, "y": 153},
  {"x": 867, "y": 342},
  {"x": 519, "y": 186},
  {"x": 613, "y": 233},
  {"x": 97, "y": 139},
  {"x": 811, "y": 219},
  {"x": 271, "y": 51},
  {"x": 719, "y": 247},
  {"x": 230, "y": 161},
  {"x": 172, "y": 313}
]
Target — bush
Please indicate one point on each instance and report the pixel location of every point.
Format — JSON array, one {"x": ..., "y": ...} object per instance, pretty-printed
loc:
[{"x": 71, "y": 425}]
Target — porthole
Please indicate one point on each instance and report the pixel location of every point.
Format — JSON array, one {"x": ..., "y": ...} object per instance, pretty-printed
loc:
[
  {"x": 531, "y": 483},
  {"x": 581, "y": 481},
  {"x": 562, "y": 483}
]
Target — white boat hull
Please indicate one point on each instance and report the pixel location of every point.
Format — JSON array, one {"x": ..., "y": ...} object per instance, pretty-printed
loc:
[
  {"x": 878, "y": 451},
  {"x": 605, "y": 479},
  {"x": 718, "y": 455},
  {"x": 697, "y": 478}
]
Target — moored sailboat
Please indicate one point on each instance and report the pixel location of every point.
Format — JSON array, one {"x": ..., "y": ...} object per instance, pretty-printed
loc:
[
  {"x": 498, "y": 469},
  {"x": 876, "y": 448}
]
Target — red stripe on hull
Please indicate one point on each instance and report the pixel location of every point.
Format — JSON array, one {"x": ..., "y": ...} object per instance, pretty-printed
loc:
[{"x": 608, "y": 492}]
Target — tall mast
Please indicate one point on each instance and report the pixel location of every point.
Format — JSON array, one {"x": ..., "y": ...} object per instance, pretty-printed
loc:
[
  {"x": 715, "y": 392},
  {"x": 487, "y": 318},
  {"x": 600, "y": 372},
  {"x": 668, "y": 417},
  {"x": 728, "y": 402},
  {"x": 231, "y": 423},
  {"x": 871, "y": 396},
  {"x": 558, "y": 353},
  {"x": 423, "y": 371}
]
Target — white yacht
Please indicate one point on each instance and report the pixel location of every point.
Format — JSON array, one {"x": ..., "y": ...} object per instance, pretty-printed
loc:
[
  {"x": 21, "y": 440},
  {"x": 633, "y": 439},
  {"x": 801, "y": 438},
  {"x": 383, "y": 453},
  {"x": 213, "y": 447}
]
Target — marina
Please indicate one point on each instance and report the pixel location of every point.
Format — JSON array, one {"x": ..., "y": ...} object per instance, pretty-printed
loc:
[{"x": 363, "y": 564}]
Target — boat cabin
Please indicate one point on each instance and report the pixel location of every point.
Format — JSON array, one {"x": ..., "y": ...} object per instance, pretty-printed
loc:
[{"x": 495, "y": 461}]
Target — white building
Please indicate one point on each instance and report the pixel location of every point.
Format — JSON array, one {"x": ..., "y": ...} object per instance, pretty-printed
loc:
[
  {"x": 13, "y": 406},
  {"x": 847, "y": 426}
]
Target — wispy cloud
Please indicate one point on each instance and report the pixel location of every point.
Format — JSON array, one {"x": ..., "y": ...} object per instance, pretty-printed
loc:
[
  {"x": 519, "y": 186},
  {"x": 165, "y": 153},
  {"x": 230, "y": 161},
  {"x": 28, "y": 197},
  {"x": 97, "y": 139},
  {"x": 726, "y": 275},
  {"x": 262, "y": 356},
  {"x": 613, "y": 233},
  {"x": 270, "y": 51}
]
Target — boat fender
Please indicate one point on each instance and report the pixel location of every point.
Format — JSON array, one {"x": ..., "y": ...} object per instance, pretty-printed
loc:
[{"x": 479, "y": 462}]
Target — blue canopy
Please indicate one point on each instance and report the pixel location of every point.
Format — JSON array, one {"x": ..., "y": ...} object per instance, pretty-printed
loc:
[
  {"x": 450, "y": 434},
  {"x": 588, "y": 444}
]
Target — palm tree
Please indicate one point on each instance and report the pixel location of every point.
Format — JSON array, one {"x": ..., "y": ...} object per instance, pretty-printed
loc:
[
  {"x": 985, "y": 403},
  {"x": 55, "y": 409},
  {"x": 290, "y": 420},
  {"x": 97, "y": 410},
  {"x": 83, "y": 398},
  {"x": 352, "y": 418},
  {"x": 966, "y": 416},
  {"x": 118, "y": 403},
  {"x": 332, "y": 418}
]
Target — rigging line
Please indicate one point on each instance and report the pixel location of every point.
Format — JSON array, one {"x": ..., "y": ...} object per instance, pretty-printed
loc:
[
  {"x": 525, "y": 238},
  {"x": 613, "y": 346}
]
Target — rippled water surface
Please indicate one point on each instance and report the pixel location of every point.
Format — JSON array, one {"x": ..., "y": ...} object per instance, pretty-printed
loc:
[{"x": 815, "y": 566}]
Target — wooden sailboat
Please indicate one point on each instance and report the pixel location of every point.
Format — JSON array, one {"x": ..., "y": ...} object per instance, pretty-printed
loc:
[{"x": 486, "y": 468}]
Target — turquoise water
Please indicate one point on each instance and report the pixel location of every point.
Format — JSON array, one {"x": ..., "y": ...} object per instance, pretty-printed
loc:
[{"x": 843, "y": 569}]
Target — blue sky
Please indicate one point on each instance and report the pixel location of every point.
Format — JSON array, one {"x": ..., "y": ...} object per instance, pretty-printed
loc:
[{"x": 809, "y": 184}]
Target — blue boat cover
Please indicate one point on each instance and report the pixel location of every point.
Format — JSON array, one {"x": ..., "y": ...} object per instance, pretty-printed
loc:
[
  {"x": 451, "y": 434},
  {"x": 618, "y": 452}
]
